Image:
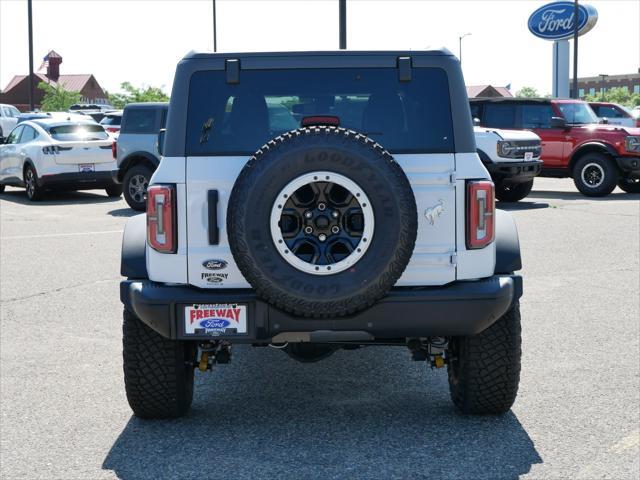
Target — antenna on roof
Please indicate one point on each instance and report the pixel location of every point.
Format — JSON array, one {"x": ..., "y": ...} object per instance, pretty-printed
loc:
[{"x": 30, "y": 15}]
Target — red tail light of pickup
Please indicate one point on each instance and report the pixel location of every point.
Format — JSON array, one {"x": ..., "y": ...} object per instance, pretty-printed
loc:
[
  {"x": 480, "y": 214},
  {"x": 114, "y": 150},
  {"x": 161, "y": 218}
]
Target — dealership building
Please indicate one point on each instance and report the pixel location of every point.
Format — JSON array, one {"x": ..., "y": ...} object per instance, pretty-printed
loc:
[{"x": 596, "y": 85}]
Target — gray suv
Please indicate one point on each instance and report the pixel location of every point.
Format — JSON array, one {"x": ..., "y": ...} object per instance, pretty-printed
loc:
[{"x": 137, "y": 150}]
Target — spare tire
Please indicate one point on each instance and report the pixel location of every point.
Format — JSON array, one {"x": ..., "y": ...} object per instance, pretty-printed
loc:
[{"x": 322, "y": 222}]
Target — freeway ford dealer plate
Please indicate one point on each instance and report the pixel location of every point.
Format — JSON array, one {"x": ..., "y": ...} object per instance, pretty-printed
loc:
[
  {"x": 215, "y": 319},
  {"x": 528, "y": 156}
]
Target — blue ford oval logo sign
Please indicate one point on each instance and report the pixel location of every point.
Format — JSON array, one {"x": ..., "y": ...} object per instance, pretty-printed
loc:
[
  {"x": 214, "y": 264},
  {"x": 555, "y": 21}
]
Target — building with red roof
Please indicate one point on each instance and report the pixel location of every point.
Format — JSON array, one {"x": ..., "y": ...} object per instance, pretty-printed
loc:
[
  {"x": 484, "y": 91},
  {"x": 17, "y": 91}
]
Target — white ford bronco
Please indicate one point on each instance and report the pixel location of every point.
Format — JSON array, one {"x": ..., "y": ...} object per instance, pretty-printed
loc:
[
  {"x": 317, "y": 201},
  {"x": 512, "y": 157}
]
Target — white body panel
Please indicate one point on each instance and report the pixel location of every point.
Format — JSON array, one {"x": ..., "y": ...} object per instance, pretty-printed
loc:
[
  {"x": 8, "y": 118},
  {"x": 439, "y": 257},
  {"x": 487, "y": 140}
]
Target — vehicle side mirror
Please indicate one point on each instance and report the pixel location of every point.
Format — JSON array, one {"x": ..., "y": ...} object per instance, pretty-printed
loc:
[
  {"x": 476, "y": 122},
  {"x": 604, "y": 120},
  {"x": 558, "y": 122},
  {"x": 160, "y": 145}
]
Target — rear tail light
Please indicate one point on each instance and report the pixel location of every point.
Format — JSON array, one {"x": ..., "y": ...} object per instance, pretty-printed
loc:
[
  {"x": 112, "y": 129},
  {"x": 480, "y": 213},
  {"x": 320, "y": 120},
  {"x": 638, "y": 122},
  {"x": 114, "y": 149},
  {"x": 161, "y": 218},
  {"x": 50, "y": 149}
]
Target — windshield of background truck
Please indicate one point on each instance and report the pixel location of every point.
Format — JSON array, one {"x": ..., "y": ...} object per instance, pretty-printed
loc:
[{"x": 577, "y": 113}]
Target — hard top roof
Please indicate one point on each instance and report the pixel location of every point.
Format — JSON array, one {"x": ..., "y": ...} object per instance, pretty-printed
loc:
[
  {"x": 193, "y": 55},
  {"x": 129, "y": 106}
]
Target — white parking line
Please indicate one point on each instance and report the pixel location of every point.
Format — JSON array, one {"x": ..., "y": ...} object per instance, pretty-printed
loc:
[{"x": 47, "y": 235}]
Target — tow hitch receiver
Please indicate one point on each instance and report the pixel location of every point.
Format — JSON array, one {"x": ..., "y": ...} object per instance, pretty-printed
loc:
[
  {"x": 431, "y": 349},
  {"x": 212, "y": 353}
]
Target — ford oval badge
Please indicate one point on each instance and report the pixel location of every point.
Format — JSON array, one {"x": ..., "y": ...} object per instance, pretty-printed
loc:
[
  {"x": 555, "y": 21},
  {"x": 214, "y": 264}
]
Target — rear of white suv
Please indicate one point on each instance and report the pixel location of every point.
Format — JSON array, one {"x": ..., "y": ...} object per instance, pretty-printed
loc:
[{"x": 372, "y": 223}]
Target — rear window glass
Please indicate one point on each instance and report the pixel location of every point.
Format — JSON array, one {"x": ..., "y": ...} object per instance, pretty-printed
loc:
[
  {"x": 227, "y": 119},
  {"x": 78, "y": 132},
  {"x": 500, "y": 116},
  {"x": 111, "y": 120},
  {"x": 139, "y": 120}
]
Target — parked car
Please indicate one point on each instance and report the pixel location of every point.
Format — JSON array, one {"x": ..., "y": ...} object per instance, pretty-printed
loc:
[
  {"x": 372, "y": 223},
  {"x": 8, "y": 118},
  {"x": 614, "y": 114},
  {"x": 512, "y": 158},
  {"x": 574, "y": 143},
  {"x": 111, "y": 121},
  {"x": 49, "y": 154},
  {"x": 68, "y": 116},
  {"x": 94, "y": 110},
  {"x": 137, "y": 149}
]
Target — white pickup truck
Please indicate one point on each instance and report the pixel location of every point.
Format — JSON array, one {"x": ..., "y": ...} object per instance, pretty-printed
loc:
[
  {"x": 512, "y": 158},
  {"x": 8, "y": 119}
]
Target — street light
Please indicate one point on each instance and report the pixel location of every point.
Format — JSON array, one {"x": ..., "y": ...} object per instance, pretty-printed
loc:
[
  {"x": 460, "y": 46},
  {"x": 602, "y": 77}
]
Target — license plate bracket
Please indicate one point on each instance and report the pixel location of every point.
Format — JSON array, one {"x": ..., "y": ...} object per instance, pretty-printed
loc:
[{"x": 86, "y": 168}]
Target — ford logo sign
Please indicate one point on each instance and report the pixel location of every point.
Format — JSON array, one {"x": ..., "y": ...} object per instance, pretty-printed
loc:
[
  {"x": 214, "y": 264},
  {"x": 214, "y": 323},
  {"x": 555, "y": 21}
]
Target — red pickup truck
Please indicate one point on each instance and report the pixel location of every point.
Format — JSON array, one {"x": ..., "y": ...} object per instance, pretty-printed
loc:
[{"x": 597, "y": 156}]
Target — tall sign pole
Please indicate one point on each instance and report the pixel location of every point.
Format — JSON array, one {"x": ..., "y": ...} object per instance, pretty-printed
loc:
[
  {"x": 576, "y": 18},
  {"x": 560, "y": 21},
  {"x": 215, "y": 40},
  {"x": 343, "y": 23},
  {"x": 30, "y": 14}
]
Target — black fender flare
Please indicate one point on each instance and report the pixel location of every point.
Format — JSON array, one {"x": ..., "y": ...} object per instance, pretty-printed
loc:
[
  {"x": 508, "y": 258},
  {"x": 591, "y": 147},
  {"x": 133, "y": 262},
  {"x": 131, "y": 159},
  {"x": 486, "y": 159}
]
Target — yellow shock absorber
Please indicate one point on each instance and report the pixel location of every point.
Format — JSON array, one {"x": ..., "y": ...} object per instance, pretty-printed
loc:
[
  {"x": 204, "y": 361},
  {"x": 438, "y": 361}
]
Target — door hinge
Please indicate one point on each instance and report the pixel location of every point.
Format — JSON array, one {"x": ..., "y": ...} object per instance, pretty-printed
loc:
[
  {"x": 452, "y": 178},
  {"x": 453, "y": 259}
]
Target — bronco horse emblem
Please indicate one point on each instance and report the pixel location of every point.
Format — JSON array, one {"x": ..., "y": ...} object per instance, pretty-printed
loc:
[{"x": 434, "y": 212}]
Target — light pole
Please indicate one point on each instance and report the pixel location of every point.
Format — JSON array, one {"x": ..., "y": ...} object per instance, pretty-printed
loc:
[
  {"x": 602, "y": 77},
  {"x": 460, "y": 46},
  {"x": 30, "y": 15},
  {"x": 342, "y": 21},
  {"x": 576, "y": 18},
  {"x": 215, "y": 40}
]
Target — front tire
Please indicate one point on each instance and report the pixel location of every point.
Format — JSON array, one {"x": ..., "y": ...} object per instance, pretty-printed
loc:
[
  {"x": 513, "y": 192},
  {"x": 595, "y": 175},
  {"x": 34, "y": 191},
  {"x": 135, "y": 184},
  {"x": 158, "y": 372},
  {"x": 629, "y": 185},
  {"x": 484, "y": 369},
  {"x": 114, "y": 191}
]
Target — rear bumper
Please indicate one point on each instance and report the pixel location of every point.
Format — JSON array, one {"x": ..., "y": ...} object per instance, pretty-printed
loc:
[
  {"x": 79, "y": 181},
  {"x": 461, "y": 308},
  {"x": 514, "y": 172}
]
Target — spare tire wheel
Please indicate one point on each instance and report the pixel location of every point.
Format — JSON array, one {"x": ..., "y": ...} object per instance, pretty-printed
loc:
[{"x": 322, "y": 222}]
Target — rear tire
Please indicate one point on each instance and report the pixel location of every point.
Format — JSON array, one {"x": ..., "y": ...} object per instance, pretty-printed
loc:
[
  {"x": 114, "y": 191},
  {"x": 513, "y": 192},
  {"x": 34, "y": 191},
  {"x": 158, "y": 372},
  {"x": 595, "y": 175},
  {"x": 135, "y": 184},
  {"x": 629, "y": 185},
  {"x": 484, "y": 369}
]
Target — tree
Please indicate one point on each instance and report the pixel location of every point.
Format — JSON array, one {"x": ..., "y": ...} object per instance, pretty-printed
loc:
[
  {"x": 527, "y": 92},
  {"x": 56, "y": 98},
  {"x": 618, "y": 95},
  {"x": 132, "y": 94}
]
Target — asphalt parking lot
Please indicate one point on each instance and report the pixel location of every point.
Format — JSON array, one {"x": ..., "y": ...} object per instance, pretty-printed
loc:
[{"x": 368, "y": 413}]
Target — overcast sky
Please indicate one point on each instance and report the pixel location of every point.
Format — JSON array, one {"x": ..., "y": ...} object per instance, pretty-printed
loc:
[{"x": 142, "y": 40}]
